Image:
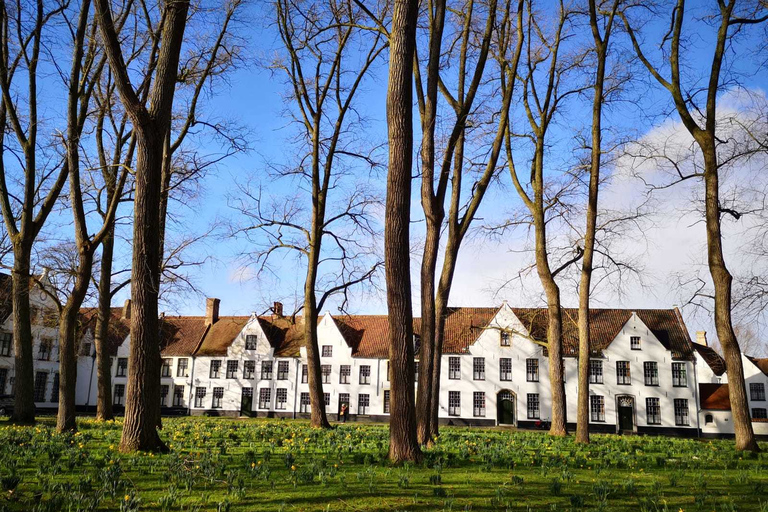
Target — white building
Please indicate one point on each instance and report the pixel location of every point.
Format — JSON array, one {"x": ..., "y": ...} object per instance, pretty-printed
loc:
[
  {"x": 45, "y": 349},
  {"x": 715, "y": 410},
  {"x": 494, "y": 368}
]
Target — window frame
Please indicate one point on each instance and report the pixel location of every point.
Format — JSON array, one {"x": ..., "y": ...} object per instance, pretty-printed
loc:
[
  {"x": 249, "y": 369},
  {"x": 594, "y": 376},
  {"x": 679, "y": 375},
  {"x": 265, "y": 398},
  {"x": 651, "y": 373},
  {"x": 505, "y": 340},
  {"x": 200, "y": 393},
  {"x": 305, "y": 403},
  {"x": 653, "y": 410},
  {"x": 363, "y": 403},
  {"x": 217, "y": 398},
  {"x": 267, "y": 369},
  {"x": 182, "y": 367},
  {"x": 633, "y": 345},
  {"x": 478, "y": 397},
  {"x": 533, "y": 413},
  {"x": 121, "y": 370},
  {"x": 327, "y": 351},
  {"x": 682, "y": 414},
  {"x": 454, "y": 410},
  {"x": 166, "y": 367},
  {"x": 345, "y": 372},
  {"x": 621, "y": 378},
  {"x": 757, "y": 392},
  {"x": 281, "y": 399},
  {"x": 283, "y": 370},
  {"x": 454, "y": 373},
  {"x": 118, "y": 398},
  {"x": 178, "y": 395},
  {"x": 251, "y": 342},
  {"x": 214, "y": 369},
  {"x": 478, "y": 368},
  {"x": 597, "y": 409},
  {"x": 365, "y": 374},
  {"x": 505, "y": 375},
  {"x": 532, "y": 370},
  {"x": 325, "y": 371}
]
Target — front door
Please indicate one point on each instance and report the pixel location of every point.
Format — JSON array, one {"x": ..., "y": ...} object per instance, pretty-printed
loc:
[
  {"x": 246, "y": 402},
  {"x": 506, "y": 408},
  {"x": 626, "y": 413}
]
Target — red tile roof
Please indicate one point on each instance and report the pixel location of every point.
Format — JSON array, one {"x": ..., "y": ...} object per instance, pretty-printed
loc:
[
  {"x": 714, "y": 397},
  {"x": 285, "y": 334},
  {"x": 181, "y": 335},
  {"x": 712, "y": 358},
  {"x": 762, "y": 364},
  {"x": 221, "y": 334}
]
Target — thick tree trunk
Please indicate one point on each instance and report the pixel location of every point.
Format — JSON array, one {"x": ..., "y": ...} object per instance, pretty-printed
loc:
[
  {"x": 101, "y": 333},
  {"x": 66, "y": 417},
  {"x": 403, "y": 445},
  {"x": 24, "y": 380},
  {"x": 722, "y": 279},
  {"x": 142, "y": 395}
]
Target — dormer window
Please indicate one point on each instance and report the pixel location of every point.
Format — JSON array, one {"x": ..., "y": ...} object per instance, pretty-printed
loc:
[
  {"x": 505, "y": 340},
  {"x": 327, "y": 351},
  {"x": 250, "y": 342},
  {"x": 634, "y": 342}
]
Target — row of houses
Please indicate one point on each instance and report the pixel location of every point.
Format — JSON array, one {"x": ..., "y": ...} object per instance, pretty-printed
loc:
[{"x": 646, "y": 374}]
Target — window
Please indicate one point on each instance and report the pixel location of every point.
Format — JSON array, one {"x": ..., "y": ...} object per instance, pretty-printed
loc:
[
  {"x": 533, "y": 406},
  {"x": 266, "y": 370},
  {"x": 41, "y": 381},
  {"x": 304, "y": 374},
  {"x": 327, "y": 399},
  {"x": 232, "y": 369},
  {"x": 386, "y": 401},
  {"x": 3, "y": 379},
  {"x": 478, "y": 368},
  {"x": 505, "y": 368},
  {"x": 454, "y": 368},
  {"x": 327, "y": 351},
  {"x": 282, "y": 370},
  {"x": 344, "y": 374},
  {"x": 597, "y": 408},
  {"x": 304, "y": 404},
  {"x": 164, "y": 395},
  {"x": 265, "y": 395},
  {"x": 326, "y": 371},
  {"x": 215, "y": 372},
  {"x": 532, "y": 370},
  {"x": 119, "y": 394},
  {"x": 759, "y": 413},
  {"x": 44, "y": 353},
  {"x": 363, "y": 403},
  {"x": 478, "y": 404},
  {"x": 218, "y": 395},
  {"x": 281, "y": 398},
  {"x": 757, "y": 391},
  {"x": 679, "y": 377},
  {"x": 249, "y": 369},
  {"x": 122, "y": 367},
  {"x": 595, "y": 371},
  {"x": 55, "y": 388},
  {"x": 622, "y": 373},
  {"x": 6, "y": 340},
  {"x": 505, "y": 340},
  {"x": 365, "y": 374},
  {"x": 681, "y": 411},
  {"x": 651, "y": 373},
  {"x": 454, "y": 403},
  {"x": 709, "y": 419},
  {"x": 653, "y": 411},
  {"x": 85, "y": 350},
  {"x": 165, "y": 369},
  {"x": 634, "y": 342},
  {"x": 183, "y": 366},
  {"x": 178, "y": 396},
  {"x": 200, "y": 396},
  {"x": 250, "y": 341}
]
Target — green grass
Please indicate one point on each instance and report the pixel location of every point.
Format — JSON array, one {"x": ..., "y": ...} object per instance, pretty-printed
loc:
[{"x": 223, "y": 464}]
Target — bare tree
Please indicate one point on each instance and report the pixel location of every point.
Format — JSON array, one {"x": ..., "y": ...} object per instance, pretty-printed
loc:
[
  {"x": 462, "y": 208},
  {"x": 699, "y": 117},
  {"x": 325, "y": 58},
  {"x": 151, "y": 128},
  {"x": 585, "y": 288},
  {"x": 544, "y": 91},
  {"x": 403, "y": 444},
  {"x": 22, "y": 27}
]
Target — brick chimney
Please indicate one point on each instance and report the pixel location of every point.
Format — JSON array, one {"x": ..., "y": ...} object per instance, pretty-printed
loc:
[
  {"x": 277, "y": 309},
  {"x": 211, "y": 311},
  {"x": 701, "y": 338},
  {"x": 126, "y": 315}
]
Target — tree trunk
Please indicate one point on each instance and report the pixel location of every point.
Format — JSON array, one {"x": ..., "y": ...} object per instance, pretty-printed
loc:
[
  {"x": 722, "y": 279},
  {"x": 314, "y": 370},
  {"x": 428, "y": 349},
  {"x": 403, "y": 445},
  {"x": 66, "y": 416},
  {"x": 101, "y": 333},
  {"x": 24, "y": 380},
  {"x": 142, "y": 395}
]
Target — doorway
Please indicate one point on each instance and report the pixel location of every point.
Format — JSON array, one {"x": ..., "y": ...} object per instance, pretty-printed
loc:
[
  {"x": 626, "y": 413},
  {"x": 246, "y": 402},
  {"x": 505, "y": 407}
]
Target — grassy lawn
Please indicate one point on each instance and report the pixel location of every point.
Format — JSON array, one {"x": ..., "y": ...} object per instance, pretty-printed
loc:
[{"x": 224, "y": 464}]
